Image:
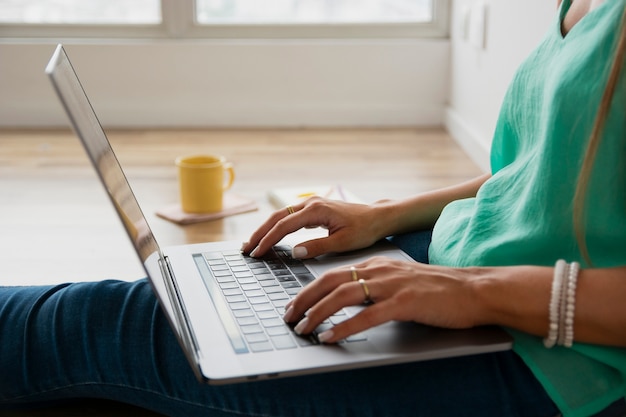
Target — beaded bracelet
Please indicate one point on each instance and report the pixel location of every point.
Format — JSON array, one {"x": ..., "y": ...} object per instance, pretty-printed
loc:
[
  {"x": 562, "y": 305},
  {"x": 555, "y": 299},
  {"x": 572, "y": 279}
]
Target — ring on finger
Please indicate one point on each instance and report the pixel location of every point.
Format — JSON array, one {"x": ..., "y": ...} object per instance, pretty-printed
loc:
[
  {"x": 354, "y": 274},
  {"x": 290, "y": 209},
  {"x": 366, "y": 291}
]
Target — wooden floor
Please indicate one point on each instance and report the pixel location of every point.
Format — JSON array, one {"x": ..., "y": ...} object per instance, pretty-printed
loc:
[{"x": 56, "y": 224}]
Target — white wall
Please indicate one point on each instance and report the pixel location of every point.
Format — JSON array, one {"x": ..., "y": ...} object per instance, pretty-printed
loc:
[
  {"x": 234, "y": 83},
  {"x": 480, "y": 76},
  {"x": 289, "y": 83}
]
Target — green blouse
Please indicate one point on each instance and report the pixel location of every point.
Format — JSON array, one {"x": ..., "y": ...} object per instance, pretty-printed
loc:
[{"x": 523, "y": 213}]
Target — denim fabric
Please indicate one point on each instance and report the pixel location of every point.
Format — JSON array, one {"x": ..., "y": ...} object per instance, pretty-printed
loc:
[
  {"x": 414, "y": 244},
  {"x": 110, "y": 340}
]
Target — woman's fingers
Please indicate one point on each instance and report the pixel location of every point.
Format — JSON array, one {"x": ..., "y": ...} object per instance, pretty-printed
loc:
[
  {"x": 346, "y": 224},
  {"x": 277, "y": 226},
  {"x": 397, "y": 290},
  {"x": 374, "y": 315}
]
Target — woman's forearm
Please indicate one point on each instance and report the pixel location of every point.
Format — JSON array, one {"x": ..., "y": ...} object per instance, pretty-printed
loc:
[
  {"x": 519, "y": 297},
  {"x": 423, "y": 210}
]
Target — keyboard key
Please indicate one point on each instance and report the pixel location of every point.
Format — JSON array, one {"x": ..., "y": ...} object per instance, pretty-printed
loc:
[
  {"x": 278, "y": 296},
  {"x": 255, "y": 293},
  {"x": 250, "y": 286},
  {"x": 236, "y": 298},
  {"x": 285, "y": 278},
  {"x": 291, "y": 284},
  {"x": 265, "y": 277},
  {"x": 228, "y": 285},
  {"x": 255, "y": 337},
  {"x": 248, "y": 320},
  {"x": 267, "y": 314},
  {"x": 219, "y": 274},
  {"x": 293, "y": 291},
  {"x": 261, "y": 346},
  {"x": 283, "y": 342},
  {"x": 232, "y": 291},
  {"x": 241, "y": 268},
  {"x": 258, "y": 300},
  {"x": 274, "y": 289},
  {"x": 251, "y": 328},
  {"x": 247, "y": 312},
  {"x": 277, "y": 331},
  {"x": 273, "y": 322},
  {"x": 263, "y": 307},
  {"x": 305, "y": 278}
]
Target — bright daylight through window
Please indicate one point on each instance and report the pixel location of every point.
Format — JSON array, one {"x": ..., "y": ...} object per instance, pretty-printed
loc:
[
  {"x": 148, "y": 12},
  {"x": 312, "y": 11},
  {"x": 80, "y": 11}
]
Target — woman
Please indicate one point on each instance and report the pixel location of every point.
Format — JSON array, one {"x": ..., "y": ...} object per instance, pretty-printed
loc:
[{"x": 537, "y": 247}]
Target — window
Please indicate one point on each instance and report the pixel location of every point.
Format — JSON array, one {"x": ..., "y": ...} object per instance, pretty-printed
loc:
[
  {"x": 224, "y": 18},
  {"x": 312, "y": 11},
  {"x": 80, "y": 12}
]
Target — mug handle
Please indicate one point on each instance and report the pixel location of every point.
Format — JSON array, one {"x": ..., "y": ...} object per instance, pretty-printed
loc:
[{"x": 228, "y": 167}]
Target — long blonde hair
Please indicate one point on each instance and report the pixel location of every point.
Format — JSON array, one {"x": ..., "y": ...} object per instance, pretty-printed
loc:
[{"x": 579, "y": 209}]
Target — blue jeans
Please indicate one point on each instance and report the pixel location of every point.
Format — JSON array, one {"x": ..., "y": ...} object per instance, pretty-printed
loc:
[{"x": 110, "y": 340}]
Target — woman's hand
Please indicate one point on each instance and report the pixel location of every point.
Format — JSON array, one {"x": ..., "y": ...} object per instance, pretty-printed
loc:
[
  {"x": 355, "y": 226},
  {"x": 398, "y": 290},
  {"x": 350, "y": 227}
]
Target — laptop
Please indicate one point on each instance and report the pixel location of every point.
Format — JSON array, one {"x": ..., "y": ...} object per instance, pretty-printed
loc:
[{"x": 226, "y": 308}]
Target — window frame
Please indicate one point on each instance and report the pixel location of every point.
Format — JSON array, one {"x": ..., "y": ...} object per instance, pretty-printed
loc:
[{"x": 178, "y": 22}]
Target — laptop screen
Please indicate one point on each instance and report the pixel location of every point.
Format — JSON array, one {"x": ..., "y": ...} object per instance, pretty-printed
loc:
[{"x": 86, "y": 125}]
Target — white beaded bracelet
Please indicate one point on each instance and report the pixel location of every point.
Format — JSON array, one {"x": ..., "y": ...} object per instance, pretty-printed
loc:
[
  {"x": 563, "y": 305},
  {"x": 555, "y": 301},
  {"x": 572, "y": 278}
]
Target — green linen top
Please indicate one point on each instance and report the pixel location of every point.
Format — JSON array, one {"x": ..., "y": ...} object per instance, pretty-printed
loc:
[{"x": 523, "y": 214}]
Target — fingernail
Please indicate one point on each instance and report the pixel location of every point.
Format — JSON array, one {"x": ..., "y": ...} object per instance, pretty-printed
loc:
[
  {"x": 287, "y": 317},
  {"x": 301, "y": 326},
  {"x": 253, "y": 253},
  {"x": 299, "y": 252},
  {"x": 243, "y": 246},
  {"x": 325, "y": 336}
]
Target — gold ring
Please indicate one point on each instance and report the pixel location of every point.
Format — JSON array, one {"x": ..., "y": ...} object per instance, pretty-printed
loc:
[
  {"x": 366, "y": 290},
  {"x": 290, "y": 209},
  {"x": 353, "y": 272}
]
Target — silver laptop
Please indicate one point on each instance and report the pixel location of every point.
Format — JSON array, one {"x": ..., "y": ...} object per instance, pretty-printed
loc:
[{"x": 226, "y": 308}]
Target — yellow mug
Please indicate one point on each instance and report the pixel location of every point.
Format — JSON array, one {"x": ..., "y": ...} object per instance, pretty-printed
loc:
[{"x": 202, "y": 182}]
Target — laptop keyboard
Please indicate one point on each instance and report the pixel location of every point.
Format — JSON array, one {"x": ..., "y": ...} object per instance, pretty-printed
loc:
[{"x": 250, "y": 295}]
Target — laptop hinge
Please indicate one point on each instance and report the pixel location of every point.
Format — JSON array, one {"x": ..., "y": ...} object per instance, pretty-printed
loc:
[{"x": 185, "y": 334}]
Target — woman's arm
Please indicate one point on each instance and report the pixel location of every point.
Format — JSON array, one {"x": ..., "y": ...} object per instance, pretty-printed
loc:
[
  {"x": 355, "y": 226},
  {"x": 422, "y": 211},
  {"x": 518, "y": 297}
]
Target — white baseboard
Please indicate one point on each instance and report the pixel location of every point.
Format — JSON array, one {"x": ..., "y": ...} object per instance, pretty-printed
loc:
[{"x": 475, "y": 144}]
